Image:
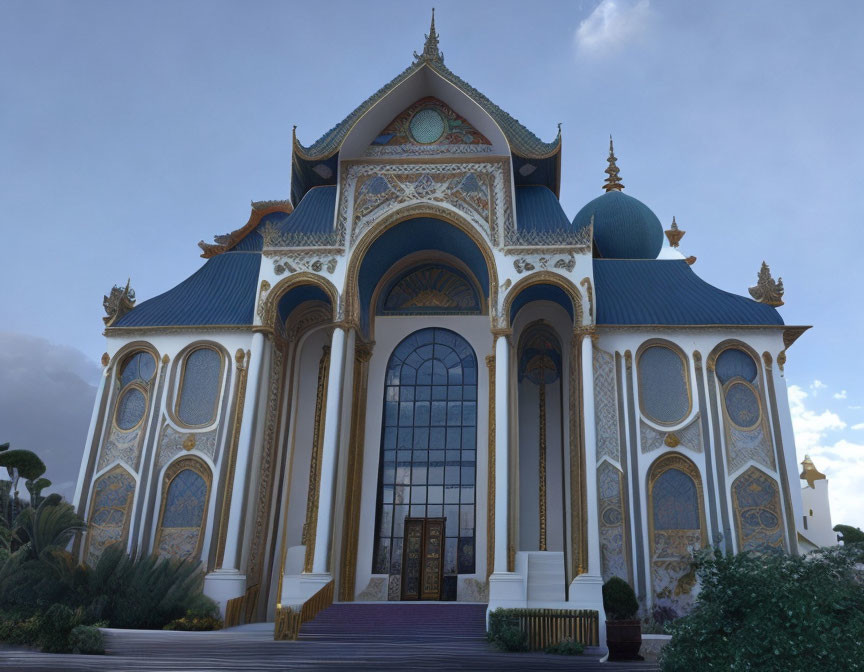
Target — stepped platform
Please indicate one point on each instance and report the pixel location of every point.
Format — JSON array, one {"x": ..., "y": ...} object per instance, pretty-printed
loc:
[{"x": 350, "y": 636}]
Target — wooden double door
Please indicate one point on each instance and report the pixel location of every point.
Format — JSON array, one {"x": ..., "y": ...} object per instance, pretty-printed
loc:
[{"x": 423, "y": 558}]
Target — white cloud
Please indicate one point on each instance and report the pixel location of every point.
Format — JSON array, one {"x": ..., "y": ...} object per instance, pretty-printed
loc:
[
  {"x": 860, "y": 425},
  {"x": 613, "y": 24},
  {"x": 817, "y": 385},
  {"x": 841, "y": 460},
  {"x": 840, "y": 395}
]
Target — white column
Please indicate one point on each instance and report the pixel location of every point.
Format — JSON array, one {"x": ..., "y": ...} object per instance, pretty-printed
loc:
[
  {"x": 329, "y": 453},
  {"x": 502, "y": 442},
  {"x": 593, "y": 568},
  {"x": 244, "y": 451},
  {"x": 91, "y": 432}
]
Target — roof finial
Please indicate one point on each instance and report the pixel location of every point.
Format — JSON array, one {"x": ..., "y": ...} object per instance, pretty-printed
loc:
[
  {"x": 810, "y": 472},
  {"x": 613, "y": 182},
  {"x": 766, "y": 289},
  {"x": 674, "y": 234},
  {"x": 430, "y": 49}
]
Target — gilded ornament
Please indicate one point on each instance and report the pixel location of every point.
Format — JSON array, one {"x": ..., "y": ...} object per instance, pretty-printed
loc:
[
  {"x": 262, "y": 294},
  {"x": 189, "y": 442},
  {"x": 810, "y": 473},
  {"x": 118, "y": 302},
  {"x": 105, "y": 359},
  {"x": 672, "y": 440},
  {"x": 430, "y": 53},
  {"x": 766, "y": 290},
  {"x": 165, "y": 358},
  {"x": 259, "y": 210},
  {"x": 613, "y": 182},
  {"x": 589, "y": 292},
  {"x": 674, "y": 234},
  {"x": 522, "y": 265},
  {"x": 781, "y": 359},
  {"x": 239, "y": 356}
]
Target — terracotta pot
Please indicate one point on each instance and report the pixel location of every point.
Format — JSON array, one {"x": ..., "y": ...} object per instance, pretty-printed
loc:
[{"x": 624, "y": 639}]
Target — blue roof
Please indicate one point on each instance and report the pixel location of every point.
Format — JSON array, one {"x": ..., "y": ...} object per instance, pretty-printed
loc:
[
  {"x": 624, "y": 227},
  {"x": 221, "y": 292},
  {"x": 652, "y": 292},
  {"x": 538, "y": 209}
]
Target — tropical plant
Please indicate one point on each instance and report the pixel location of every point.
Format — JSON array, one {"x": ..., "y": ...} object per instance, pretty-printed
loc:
[
  {"x": 51, "y": 525},
  {"x": 772, "y": 612}
]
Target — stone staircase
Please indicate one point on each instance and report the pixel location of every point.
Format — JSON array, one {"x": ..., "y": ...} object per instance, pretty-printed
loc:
[
  {"x": 399, "y": 623},
  {"x": 545, "y": 577}
]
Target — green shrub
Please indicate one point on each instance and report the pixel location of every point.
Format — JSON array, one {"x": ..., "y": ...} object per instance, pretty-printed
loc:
[
  {"x": 55, "y": 627},
  {"x": 86, "y": 639},
  {"x": 504, "y": 631},
  {"x": 566, "y": 647},
  {"x": 195, "y": 623},
  {"x": 772, "y": 612},
  {"x": 619, "y": 600}
]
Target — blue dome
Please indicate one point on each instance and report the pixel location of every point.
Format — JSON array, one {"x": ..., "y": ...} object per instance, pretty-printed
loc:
[{"x": 624, "y": 227}]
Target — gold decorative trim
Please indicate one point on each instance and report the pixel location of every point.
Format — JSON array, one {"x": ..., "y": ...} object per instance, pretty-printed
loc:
[
  {"x": 315, "y": 465},
  {"x": 736, "y": 507},
  {"x": 792, "y": 334},
  {"x": 120, "y": 395},
  {"x": 271, "y": 302},
  {"x": 260, "y": 210},
  {"x": 589, "y": 292},
  {"x": 396, "y": 217},
  {"x": 662, "y": 464},
  {"x": 200, "y": 467},
  {"x": 240, "y": 357},
  {"x": 106, "y": 359},
  {"x": 578, "y": 495},
  {"x": 781, "y": 359},
  {"x": 752, "y": 388},
  {"x": 685, "y": 370},
  {"x": 262, "y": 295},
  {"x": 354, "y": 481},
  {"x": 543, "y": 278},
  {"x": 490, "y": 494}
]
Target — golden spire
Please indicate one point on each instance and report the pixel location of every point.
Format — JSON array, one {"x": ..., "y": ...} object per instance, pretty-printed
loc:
[
  {"x": 613, "y": 182},
  {"x": 766, "y": 289},
  {"x": 811, "y": 473},
  {"x": 674, "y": 234},
  {"x": 430, "y": 49}
]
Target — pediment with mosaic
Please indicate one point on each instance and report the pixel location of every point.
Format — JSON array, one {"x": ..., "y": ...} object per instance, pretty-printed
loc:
[{"x": 429, "y": 127}]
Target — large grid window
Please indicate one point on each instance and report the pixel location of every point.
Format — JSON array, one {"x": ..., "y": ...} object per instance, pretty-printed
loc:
[{"x": 428, "y": 448}]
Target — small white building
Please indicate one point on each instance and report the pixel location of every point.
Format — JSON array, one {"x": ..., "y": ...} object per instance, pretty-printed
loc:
[
  {"x": 816, "y": 529},
  {"x": 418, "y": 378}
]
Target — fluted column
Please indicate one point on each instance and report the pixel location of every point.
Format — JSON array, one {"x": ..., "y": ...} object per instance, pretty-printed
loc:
[
  {"x": 502, "y": 443},
  {"x": 590, "y": 455},
  {"x": 234, "y": 534},
  {"x": 332, "y": 422}
]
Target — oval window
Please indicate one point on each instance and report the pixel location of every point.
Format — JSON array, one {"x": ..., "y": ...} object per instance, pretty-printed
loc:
[
  {"x": 742, "y": 405},
  {"x": 427, "y": 126},
  {"x": 199, "y": 390},
  {"x": 140, "y": 366},
  {"x": 131, "y": 409},
  {"x": 663, "y": 391}
]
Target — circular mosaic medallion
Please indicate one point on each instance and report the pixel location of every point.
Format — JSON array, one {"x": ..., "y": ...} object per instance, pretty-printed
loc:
[
  {"x": 742, "y": 405},
  {"x": 427, "y": 126}
]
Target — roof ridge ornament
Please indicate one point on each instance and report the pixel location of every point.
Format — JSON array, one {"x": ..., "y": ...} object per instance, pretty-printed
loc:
[
  {"x": 674, "y": 234},
  {"x": 766, "y": 290},
  {"x": 810, "y": 472},
  {"x": 431, "y": 53},
  {"x": 118, "y": 302},
  {"x": 613, "y": 182}
]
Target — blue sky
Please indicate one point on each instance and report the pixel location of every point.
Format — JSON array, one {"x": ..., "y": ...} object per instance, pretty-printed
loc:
[{"x": 128, "y": 132}]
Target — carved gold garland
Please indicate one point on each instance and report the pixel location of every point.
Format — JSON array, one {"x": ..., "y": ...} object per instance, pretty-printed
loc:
[{"x": 563, "y": 262}]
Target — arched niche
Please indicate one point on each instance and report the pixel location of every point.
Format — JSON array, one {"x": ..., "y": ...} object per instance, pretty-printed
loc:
[
  {"x": 186, "y": 487},
  {"x": 110, "y": 512},
  {"x": 543, "y": 286}
]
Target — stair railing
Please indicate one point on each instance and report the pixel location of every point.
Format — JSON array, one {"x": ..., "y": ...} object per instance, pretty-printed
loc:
[{"x": 289, "y": 620}]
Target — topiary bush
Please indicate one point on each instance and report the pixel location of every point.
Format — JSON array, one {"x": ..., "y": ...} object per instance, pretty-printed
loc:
[
  {"x": 505, "y": 633},
  {"x": 619, "y": 600},
  {"x": 195, "y": 624},
  {"x": 773, "y": 612},
  {"x": 566, "y": 647},
  {"x": 87, "y": 639}
]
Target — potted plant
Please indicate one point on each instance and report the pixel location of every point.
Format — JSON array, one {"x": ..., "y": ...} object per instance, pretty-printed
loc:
[{"x": 623, "y": 629}]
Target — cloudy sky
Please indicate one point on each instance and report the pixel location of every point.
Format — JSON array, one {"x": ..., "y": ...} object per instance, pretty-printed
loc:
[{"x": 128, "y": 132}]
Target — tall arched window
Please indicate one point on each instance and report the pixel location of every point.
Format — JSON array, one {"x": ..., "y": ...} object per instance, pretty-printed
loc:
[
  {"x": 428, "y": 449},
  {"x": 664, "y": 387},
  {"x": 199, "y": 387},
  {"x": 677, "y": 522},
  {"x": 110, "y": 510},
  {"x": 185, "y": 493},
  {"x": 756, "y": 500}
]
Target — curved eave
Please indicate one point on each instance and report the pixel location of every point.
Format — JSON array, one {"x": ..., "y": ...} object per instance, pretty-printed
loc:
[
  {"x": 521, "y": 141},
  {"x": 260, "y": 210},
  {"x": 637, "y": 293}
]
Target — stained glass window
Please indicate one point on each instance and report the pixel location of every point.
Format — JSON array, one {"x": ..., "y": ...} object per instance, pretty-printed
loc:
[
  {"x": 428, "y": 447},
  {"x": 112, "y": 501},
  {"x": 200, "y": 387},
  {"x": 757, "y": 511},
  {"x": 735, "y": 363},
  {"x": 742, "y": 405},
  {"x": 184, "y": 508},
  {"x": 663, "y": 387},
  {"x": 131, "y": 408},
  {"x": 140, "y": 366}
]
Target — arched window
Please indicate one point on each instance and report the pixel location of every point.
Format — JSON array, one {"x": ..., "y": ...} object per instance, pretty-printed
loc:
[
  {"x": 185, "y": 493},
  {"x": 134, "y": 378},
  {"x": 756, "y": 500},
  {"x": 676, "y": 519},
  {"x": 664, "y": 388},
  {"x": 110, "y": 509},
  {"x": 199, "y": 387},
  {"x": 737, "y": 372},
  {"x": 428, "y": 449}
]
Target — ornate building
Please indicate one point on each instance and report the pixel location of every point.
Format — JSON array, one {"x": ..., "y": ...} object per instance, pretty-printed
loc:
[{"x": 418, "y": 378}]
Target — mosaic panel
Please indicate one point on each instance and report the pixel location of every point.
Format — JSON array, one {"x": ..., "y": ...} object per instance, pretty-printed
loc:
[
  {"x": 613, "y": 529},
  {"x": 109, "y": 513},
  {"x": 686, "y": 437},
  {"x": 431, "y": 288},
  {"x": 605, "y": 406},
  {"x": 173, "y": 443},
  {"x": 756, "y": 500},
  {"x": 121, "y": 446},
  {"x": 745, "y": 445}
]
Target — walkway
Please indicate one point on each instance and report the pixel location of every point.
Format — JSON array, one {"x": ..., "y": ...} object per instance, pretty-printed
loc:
[{"x": 344, "y": 637}]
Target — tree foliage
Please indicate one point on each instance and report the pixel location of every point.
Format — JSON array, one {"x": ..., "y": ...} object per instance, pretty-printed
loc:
[
  {"x": 773, "y": 613},
  {"x": 851, "y": 535}
]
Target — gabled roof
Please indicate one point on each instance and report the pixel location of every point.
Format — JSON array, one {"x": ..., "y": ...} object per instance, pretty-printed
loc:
[{"x": 668, "y": 292}]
